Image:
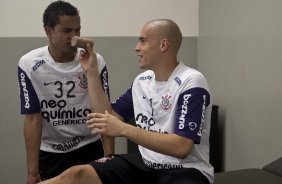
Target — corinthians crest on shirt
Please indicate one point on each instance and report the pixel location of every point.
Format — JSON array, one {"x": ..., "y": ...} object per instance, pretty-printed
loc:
[
  {"x": 166, "y": 101},
  {"x": 82, "y": 81}
]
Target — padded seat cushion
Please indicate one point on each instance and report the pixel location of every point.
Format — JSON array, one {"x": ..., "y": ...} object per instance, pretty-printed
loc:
[
  {"x": 247, "y": 176},
  {"x": 274, "y": 167}
]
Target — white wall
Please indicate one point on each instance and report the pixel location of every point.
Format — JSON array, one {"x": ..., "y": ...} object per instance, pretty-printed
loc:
[
  {"x": 240, "y": 52},
  {"x": 99, "y": 17}
]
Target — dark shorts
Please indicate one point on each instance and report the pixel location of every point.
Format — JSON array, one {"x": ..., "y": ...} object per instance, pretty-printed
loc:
[
  {"x": 52, "y": 164},
  {"x": 130, "y": 169}
]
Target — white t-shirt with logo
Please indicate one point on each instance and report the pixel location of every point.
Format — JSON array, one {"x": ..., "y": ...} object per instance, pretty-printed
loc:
[
  {"x": 180, "y": 105},
  {"x": 59, "y": 92}
]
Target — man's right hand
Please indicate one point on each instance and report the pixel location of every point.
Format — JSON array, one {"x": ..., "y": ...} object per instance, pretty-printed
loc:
[{"x": 88, "y": 59}]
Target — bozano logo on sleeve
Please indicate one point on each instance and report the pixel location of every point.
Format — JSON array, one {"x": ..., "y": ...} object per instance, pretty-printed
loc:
[
  {"x": 25, "y": 91},
  {"x": 184, "y": 110}
]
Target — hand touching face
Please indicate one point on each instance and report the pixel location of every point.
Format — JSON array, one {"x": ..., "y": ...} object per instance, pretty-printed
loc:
[{"x": 88, "y": 59}]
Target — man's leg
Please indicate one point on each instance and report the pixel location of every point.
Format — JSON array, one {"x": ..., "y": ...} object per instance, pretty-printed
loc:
[
  {"x": 82, "y": 174},
  {"x": 181, "y": 176}
]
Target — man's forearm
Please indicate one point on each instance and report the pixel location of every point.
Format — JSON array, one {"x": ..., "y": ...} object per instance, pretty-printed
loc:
[
  {"x": 108, "y": 145},
  {"x": 99, "y": 100},
  {"x": 32, "y": 134},
  {"x": 100, "y": 103}
]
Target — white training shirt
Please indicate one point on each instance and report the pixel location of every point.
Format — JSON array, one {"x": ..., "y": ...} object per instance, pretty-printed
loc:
[
  {"x": 180, "y": 105},
  {"x": 59, "y": 92}
]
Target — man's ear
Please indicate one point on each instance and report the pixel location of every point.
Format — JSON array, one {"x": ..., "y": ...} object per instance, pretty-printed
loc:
[
  {"x": 47, "y": 30},
  {"x": 164, "y": 45}
]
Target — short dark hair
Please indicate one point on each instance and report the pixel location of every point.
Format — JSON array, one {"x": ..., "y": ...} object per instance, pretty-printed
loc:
[{"x": 55, "y": 10}]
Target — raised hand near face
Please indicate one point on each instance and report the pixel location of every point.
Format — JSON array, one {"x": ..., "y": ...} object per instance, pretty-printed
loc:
[{"x": 88, "y": 59}]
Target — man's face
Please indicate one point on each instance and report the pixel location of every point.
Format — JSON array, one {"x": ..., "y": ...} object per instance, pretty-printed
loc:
[
  {"x": 60, "y": 36},
  {"x": 148, "y": 47}
]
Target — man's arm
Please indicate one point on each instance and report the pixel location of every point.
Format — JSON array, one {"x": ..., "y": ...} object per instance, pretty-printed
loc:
[
  {"x": 169, "y": 144},
  {"x": 32, "y": 135},
  {"x": 106, "y": 124},
  {"x": 99, "y": 100}
]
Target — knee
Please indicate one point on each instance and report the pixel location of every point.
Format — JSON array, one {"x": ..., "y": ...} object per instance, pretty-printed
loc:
[{"x": 74, "y": 173}]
